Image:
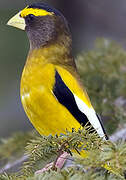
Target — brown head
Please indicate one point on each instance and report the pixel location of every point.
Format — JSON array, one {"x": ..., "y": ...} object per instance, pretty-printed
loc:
[{"x": 44, "y": 25}]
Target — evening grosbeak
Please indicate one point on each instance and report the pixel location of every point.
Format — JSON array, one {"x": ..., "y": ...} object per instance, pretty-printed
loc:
[{"x": 51, "y": 91}]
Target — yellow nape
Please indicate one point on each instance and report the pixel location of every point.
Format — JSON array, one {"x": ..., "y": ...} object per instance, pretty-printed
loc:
[{"x": 36, "y": 12}]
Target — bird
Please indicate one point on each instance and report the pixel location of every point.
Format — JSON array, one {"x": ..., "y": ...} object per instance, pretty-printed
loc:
[{"x": 51, "y": 91}]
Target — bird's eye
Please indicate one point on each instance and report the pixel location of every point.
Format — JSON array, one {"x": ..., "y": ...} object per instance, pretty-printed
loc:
[{"x": 31, "y": 17}]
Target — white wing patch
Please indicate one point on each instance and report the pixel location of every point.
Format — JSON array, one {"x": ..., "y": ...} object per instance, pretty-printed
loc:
[{"x": 91, "y": 115}]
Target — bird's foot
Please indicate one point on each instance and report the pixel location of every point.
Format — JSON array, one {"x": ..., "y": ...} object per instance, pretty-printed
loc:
[
  {"x": 58, "y": 164},
  {"x": 46, "y": 168}
]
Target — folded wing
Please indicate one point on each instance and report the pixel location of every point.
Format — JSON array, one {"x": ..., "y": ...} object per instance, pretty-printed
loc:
[{"x": 76, "y": 106}]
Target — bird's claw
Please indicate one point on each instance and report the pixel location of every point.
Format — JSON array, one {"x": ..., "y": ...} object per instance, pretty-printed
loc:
[{"x": 58, "y": 165}]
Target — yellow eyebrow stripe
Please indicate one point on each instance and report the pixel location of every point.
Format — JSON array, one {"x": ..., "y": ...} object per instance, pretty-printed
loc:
[{"x": 36, "y": 12}]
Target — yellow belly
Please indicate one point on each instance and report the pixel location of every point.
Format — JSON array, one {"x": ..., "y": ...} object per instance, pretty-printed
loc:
[{"x": 46, "y": 114}]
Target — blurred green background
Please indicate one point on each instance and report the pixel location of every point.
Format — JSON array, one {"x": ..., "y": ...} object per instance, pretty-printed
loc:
[{"x": 88, "y": 20}]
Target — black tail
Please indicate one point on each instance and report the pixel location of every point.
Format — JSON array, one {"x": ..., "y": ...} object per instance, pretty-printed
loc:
[{"x": 99, "y": 118}]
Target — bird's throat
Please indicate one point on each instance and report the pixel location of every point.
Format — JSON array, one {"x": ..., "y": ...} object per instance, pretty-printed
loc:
[{"x": 55, "y": 53}]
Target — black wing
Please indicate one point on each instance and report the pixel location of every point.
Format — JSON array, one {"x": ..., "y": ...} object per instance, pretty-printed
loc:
[{"x": 66, "y": 98}]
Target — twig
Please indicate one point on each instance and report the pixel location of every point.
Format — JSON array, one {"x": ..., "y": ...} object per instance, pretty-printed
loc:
[
  {"x": 12, "y": 165},
  {"x": 120, "y": 134}
]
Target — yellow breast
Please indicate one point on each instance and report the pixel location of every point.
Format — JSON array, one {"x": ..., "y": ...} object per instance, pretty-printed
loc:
[
  {"x": 43, "y": 109},
  {"x": 40, "y": 104}
]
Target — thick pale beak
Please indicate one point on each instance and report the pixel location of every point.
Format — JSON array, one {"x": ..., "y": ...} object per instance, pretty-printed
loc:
[{"x": 17, "y": 22}]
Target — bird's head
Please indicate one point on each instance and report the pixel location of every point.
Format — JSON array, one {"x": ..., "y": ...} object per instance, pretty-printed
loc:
[{"x": 42, "y": 23}]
